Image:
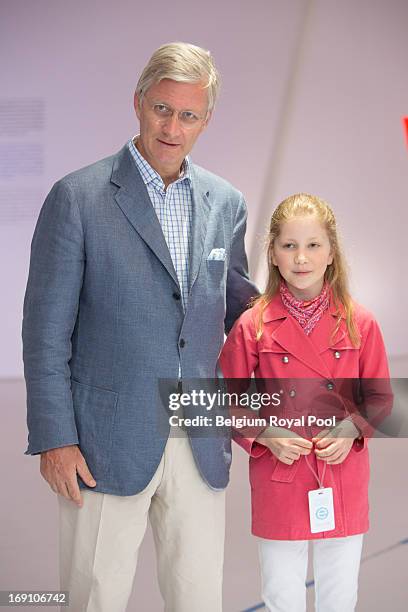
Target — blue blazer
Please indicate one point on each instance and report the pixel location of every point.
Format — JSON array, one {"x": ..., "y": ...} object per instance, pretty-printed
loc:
[{"x": 103, "y": 319}]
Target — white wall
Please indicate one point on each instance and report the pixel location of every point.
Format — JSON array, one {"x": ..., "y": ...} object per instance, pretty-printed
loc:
[{"x": 312, "y": 99}]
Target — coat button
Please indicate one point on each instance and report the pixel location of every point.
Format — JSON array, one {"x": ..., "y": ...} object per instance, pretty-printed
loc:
[
  {"x": 182, "y": 343},
  {"x": 330, "y": 386},
  {"x": 285, "y": 359},
  {"x": 337, "y": 355},
  {"x": 292, "y": 393},
  {"x": 176, "y": 296}
]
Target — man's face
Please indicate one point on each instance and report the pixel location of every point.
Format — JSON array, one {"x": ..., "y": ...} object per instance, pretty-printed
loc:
[{"x": 166, "y": 137}]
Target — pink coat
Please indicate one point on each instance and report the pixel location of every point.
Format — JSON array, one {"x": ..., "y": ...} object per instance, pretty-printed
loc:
[{"x": 279, "y": 492}]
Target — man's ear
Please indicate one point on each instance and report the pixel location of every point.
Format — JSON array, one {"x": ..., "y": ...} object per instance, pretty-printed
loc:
[
  {"x": 136, "y": 103},
  {"x": 206, "y": 120}
]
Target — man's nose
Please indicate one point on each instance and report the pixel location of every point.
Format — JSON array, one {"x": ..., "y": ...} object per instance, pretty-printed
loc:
[{"x": 171, "y": 126}]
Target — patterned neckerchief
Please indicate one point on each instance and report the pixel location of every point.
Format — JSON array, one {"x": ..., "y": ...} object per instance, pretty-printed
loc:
[{"x": 306, "y": 312}]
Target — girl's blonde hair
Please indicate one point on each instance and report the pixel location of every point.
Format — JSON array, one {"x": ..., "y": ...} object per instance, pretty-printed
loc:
[{"x": 299, "y": 205}]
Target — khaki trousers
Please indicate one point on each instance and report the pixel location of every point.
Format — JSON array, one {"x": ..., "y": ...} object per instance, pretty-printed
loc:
[{"x": 99, "y": 542}]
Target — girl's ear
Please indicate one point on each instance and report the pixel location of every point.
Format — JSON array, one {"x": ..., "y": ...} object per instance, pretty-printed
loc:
[
  {"x": 330, "y": 260},
  {"x": 273, "y": 257}
]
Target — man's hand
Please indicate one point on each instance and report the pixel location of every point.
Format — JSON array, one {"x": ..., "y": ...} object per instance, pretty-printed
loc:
[
  {"x": 282, "y": 443},
  {"x": 333, "y": 445},
  {"x": 59, "y": 467}
]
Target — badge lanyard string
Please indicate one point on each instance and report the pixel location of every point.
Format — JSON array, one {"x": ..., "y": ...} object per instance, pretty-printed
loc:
[{"x": 315, "y": 474}]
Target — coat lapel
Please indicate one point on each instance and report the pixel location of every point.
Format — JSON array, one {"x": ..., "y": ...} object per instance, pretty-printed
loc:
[
  {"x": 201, "y": 213},
  {"x": 308, "y": 349},
  {"x": 133, "y": 199},
  {"x": 288, "y": 335},
  {"x": 322, "y": 334}
]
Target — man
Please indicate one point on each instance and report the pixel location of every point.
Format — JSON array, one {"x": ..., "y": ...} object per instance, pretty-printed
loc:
[{"x": 137, "y": 266}]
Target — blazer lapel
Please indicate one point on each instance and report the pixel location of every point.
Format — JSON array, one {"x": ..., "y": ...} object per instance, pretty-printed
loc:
[
  {"x": 133, "y": 199},
  {"x": 201, "y": 213}
]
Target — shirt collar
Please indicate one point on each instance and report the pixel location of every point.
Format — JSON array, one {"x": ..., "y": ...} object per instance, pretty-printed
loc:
[{"x": 149, "y": 175}]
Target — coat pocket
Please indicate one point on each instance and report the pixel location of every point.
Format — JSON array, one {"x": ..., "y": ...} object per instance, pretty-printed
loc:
[
  {"x": 284, "y": 472},
  {"x": 95, "y": 412}
]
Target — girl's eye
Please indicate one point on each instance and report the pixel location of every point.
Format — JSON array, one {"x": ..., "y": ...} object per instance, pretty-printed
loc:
[
  {"x": 314, "y": 244},
  {"x": 288, "y": 245}
]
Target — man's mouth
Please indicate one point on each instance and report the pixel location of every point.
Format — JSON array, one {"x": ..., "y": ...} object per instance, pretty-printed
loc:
[{"x": 168, "y": 144}]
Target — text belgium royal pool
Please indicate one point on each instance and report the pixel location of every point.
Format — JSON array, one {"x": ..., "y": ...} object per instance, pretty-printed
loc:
[{"x": 240, "y": 422}]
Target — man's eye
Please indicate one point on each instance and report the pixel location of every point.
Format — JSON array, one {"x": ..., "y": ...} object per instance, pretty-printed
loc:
[
  {"x": 188, "y": 117},
  {"x": 162, "y": 109}
]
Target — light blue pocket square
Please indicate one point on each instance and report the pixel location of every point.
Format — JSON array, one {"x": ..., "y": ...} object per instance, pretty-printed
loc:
[{"x": 217, "y": 255}]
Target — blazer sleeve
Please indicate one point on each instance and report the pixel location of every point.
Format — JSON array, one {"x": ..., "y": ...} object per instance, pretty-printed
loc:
[
  {"x": 237, "y": 361},
  {"x": 50, "y": 312},
  {"x": 239, "y": 288}
]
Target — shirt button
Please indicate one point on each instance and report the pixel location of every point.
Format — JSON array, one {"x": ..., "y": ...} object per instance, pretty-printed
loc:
[
  {"x": 176, "y": 296},
  {"x": 182, "y": 343},
  {"x": 330, "y": 386},
  {"x": 285, "y": 359},
  {"x": 337, "y": 355},
  {"x": 292, "y": 393}
]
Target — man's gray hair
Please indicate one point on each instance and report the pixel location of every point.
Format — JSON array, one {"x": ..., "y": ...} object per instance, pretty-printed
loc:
[{"x": 184, "y": 63}]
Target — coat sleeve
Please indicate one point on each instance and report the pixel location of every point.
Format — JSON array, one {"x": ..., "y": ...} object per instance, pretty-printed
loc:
[
  {"x": 373, "y": 357},
  {"x": 50, "y": 312},
  {"x": 239, "y": 288},
  {"x": 375, "y": 388},
  {"x": 237, "y": 361}
]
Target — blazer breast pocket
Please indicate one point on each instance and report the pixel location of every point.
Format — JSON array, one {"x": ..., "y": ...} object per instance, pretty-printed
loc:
[
  {"x": 95, "y": 413},
  {"x": 216, "y": 270}
]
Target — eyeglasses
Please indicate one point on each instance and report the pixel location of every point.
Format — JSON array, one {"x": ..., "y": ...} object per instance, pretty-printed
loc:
[{"x": 187, "y": 118}]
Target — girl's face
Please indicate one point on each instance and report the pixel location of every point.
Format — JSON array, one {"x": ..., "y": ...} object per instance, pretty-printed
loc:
[{"x": 302, "y": 253}]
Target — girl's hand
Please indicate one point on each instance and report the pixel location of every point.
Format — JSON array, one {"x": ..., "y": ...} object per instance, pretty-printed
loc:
[
  {"x": 333, "y": 445},
  {"x": 282, "y": 443}
]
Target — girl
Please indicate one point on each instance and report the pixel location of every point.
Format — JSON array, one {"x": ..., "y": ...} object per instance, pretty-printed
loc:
[{"x": 306, "y": 329}]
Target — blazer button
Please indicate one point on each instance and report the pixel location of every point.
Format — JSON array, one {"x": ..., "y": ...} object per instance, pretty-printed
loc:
[
  {"x": 285, "y": 359},
  {"x": 176, "y": 296},
  {"x": 182, "y": 343},
  {"x": 330, "y": 386},
  {"x": 337, "y": 355},
  {"x": 292, "y": 393}
]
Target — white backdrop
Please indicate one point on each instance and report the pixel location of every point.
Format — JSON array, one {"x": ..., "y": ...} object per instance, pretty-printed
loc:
[{"x": 312, "y": 99}]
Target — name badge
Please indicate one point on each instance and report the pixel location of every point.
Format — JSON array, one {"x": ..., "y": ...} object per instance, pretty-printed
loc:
[{"x": 321, "y": 510}]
